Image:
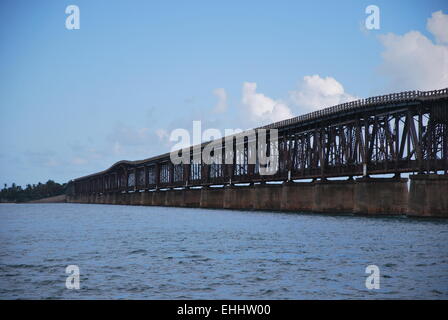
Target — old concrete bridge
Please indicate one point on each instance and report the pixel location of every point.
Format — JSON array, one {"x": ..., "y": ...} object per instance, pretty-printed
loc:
[{"x": 398, "y": 133}]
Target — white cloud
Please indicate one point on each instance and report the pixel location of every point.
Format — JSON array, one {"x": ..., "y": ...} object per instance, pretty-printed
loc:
[
  {"x": 438, "y": 26},
  {"x": 414, "y": 62},
  {"x": 221, "y": 105},
  {"x": 52, "y": 163},
  {"x": 162, "y": 134},
  {"x": 262, "y": 108},
  {"x": 117, "y": 148},
  {"x": 127, "y": 135},
  {"x": 133, "y": 142},
  {"x": 79, "y": 161},
  {"x": 315, "y": 93}
]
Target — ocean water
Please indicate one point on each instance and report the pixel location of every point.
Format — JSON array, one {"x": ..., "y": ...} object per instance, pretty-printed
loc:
[{"x": 132, "y": 252}]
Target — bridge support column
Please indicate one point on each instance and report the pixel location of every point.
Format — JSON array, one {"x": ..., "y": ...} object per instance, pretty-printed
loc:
[
  {"x": 100, "y": 198},
  {"x": 121, "y": 198},
  {"x": 381, "y": 196},
  {"x": 298, "y": 196},
  {"x": 267, "y": 196},
  {"x": 73, "y": 198},
  {"x": 192, "y": 198},
  {"x": 335, "y": 196},
  {"x": 114, "y": 198},
  {"x": 212, "y": 198},
  {"x": 174, "y": 198},
  {"x": 126, "y": 198},
  {"x": 238, "y": 197},
  {"x": 135, "y": 198},
  {"x": 118, "y": 198},
  {"x": 103, "y": 199},
  {"x": 146, "y": 198},
  {"x": 158, "y": 198},
  {"x": 109, "y": 198},
  {"x": 428, "y": 196}
]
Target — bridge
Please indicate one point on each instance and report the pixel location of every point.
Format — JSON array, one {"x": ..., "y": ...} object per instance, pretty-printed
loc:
[{"x": 404, "y": 132}]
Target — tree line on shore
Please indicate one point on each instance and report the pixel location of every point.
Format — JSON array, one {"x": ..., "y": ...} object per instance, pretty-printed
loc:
[{"x": 15, "y": 193}]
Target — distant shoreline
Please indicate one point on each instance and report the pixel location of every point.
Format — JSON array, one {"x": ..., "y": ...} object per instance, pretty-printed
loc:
[{"x": 55, "y": 199}]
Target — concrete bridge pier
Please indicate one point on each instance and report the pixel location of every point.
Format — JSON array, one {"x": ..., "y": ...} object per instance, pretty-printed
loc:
[
  {"x": 128, "y": 198},
  {"x": 212, "y": 197},
  {"x": 75, "y": 199},
  {"x": 110, "y": 198},
  {"x": 192, "y": 197},
  {"x": 381, "y": 196},
  {"x": 135, "y": 198},
  {"x": 121, "y": 198},
  {"x": 158, "y": 198},
  {"x": 114, "y": 198},
  {"x": 238, "y": 197},
  {"x": 428, "y": 196},
  {"x": 267, "y": 196},
  {"x": 334, "y": 196},
  {"x": 146, "y": 198},
  {"x": 174, "y": 198},
  {"x": 298, "y": 196}
]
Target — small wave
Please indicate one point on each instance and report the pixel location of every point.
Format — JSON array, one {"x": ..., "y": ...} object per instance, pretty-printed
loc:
[
  {"x": 436, "y": 291},
  {"x": 48, "y": 282},
  {"x": 267, "y": 292},
  {"x": 22, "y": 266},
  {"x": 138, "y": 251},
  {"x": 390, "y": 265}
]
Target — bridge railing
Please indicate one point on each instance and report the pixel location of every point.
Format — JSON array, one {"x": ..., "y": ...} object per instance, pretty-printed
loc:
[{"x": 360, "y": 103}]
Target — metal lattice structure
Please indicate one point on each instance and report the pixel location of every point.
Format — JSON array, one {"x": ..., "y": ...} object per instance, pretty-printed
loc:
[{"x": 395, "y": 133}]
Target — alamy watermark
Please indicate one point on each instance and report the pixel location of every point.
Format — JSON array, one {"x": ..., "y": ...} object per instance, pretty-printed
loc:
[
  {"x": 72, "y": 281},
  {"x": 373, "y": 280},
  {"x": 373, "y": 19},
  {"x": 72, "y": 22},
  {"x": 250, "y": 147}
]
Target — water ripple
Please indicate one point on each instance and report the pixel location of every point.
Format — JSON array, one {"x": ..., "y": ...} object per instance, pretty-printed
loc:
[{"x": 128, "y": 252}]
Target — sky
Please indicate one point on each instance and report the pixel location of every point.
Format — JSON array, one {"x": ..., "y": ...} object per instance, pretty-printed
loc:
[{"x": 74, "y": 102}]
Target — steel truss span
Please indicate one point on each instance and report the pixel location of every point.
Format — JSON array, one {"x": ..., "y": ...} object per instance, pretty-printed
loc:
[{"x": 395, "y": 133}]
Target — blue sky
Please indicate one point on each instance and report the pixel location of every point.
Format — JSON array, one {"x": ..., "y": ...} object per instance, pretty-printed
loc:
[{"x": 75, "y": 101}]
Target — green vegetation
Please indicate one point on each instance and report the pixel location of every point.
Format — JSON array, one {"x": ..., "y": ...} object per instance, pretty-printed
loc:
[{"x": 16, "y": 193}]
